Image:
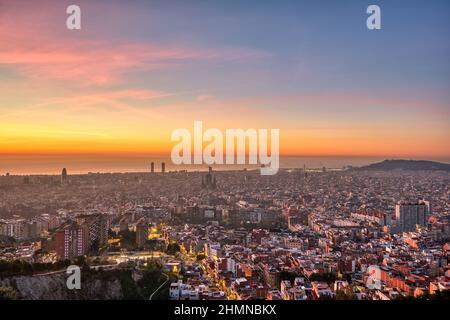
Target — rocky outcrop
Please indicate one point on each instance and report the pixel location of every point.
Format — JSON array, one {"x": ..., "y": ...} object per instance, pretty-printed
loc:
[{"x": 95, "y": 286}]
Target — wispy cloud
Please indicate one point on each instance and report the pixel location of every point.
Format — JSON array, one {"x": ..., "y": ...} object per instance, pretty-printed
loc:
[
  {"x": 36, "y": 44},
  {"x": 100, "y": 63}
]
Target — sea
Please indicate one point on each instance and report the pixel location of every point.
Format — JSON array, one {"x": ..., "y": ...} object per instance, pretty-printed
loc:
[{"x": 82, "y": 164}]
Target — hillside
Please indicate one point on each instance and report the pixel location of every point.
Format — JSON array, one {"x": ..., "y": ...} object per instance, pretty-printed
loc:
[{"x": 415, "y": 165}]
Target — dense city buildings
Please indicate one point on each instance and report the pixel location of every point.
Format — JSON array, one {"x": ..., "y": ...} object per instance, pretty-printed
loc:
[
  {"x": 302, "y": 234},
  {"x": 71, "y": 240},
  {"x": 409, "y": 215}
]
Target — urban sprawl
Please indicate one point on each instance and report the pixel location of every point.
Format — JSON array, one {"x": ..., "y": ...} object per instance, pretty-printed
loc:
[{"x": 299, "y": 235}]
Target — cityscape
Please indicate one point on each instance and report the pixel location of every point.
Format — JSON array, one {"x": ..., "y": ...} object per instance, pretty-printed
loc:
[
  {"x": 224, "y": 158},
  {"x": 304, "y": 234}
]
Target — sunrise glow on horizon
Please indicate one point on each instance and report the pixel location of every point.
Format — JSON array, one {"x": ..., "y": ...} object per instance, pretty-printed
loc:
[{"x": 134, "y": 73}]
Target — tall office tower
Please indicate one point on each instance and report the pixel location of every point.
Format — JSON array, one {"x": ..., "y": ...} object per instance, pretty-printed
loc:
[
  {"x": 152, "y": 167},
  {"x": 427, "y": 208},
  {"x": 16, "y": 228},
  {"x": 163, "y": 167},
  {"x": 408, "y": 215},
  {"x": 98, "y": 226},
  {"x": 209, "y": 180},
  {"x": 72, "y": 240},
  {"x": 141, "y": 234},
  {"x": 63, "y": 175}
]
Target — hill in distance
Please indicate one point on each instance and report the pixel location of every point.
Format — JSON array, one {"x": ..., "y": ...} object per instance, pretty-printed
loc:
[{"x": 414, "y": 165}]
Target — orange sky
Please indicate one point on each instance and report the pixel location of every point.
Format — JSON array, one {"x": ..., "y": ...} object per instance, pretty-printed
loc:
[{"x": 95, "y": 92}]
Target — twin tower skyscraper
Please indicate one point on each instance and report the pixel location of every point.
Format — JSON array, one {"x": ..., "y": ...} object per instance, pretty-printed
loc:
[{"x": 163, "y": 167}]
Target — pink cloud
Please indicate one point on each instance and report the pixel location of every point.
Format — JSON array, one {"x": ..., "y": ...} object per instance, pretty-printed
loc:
[
  {"x": 97, "y": 62},
  {"x": 112, "y": 100},
  {"x": 34, "y": 41}
]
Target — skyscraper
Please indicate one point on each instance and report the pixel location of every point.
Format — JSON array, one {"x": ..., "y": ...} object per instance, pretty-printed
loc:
[
  {"x": 408, "y": 215},
  {"x": 63, "y": 175},
  {"x": 152, "y": 167},
  {"x": 98, "y": 226},
  {"x": 72, "y": 240},
  {"x": 209, "y": 181},
  {"x": 141, "y": 234},
  {"x": 163, "y": 167}
]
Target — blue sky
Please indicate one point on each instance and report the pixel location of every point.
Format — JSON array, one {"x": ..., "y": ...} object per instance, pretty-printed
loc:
[{"x": 292, "y": 64}]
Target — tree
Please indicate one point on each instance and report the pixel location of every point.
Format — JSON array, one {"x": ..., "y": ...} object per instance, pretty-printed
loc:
[
  {"x": 325, "y": 277},
  {"x": 201, "y": 256},
  {"x": 80, "y": 261},
  {"x": 128, "y": 237},
  {"x": 95, "y": 246},
  {"x": 151, "y": 277},
  {"x": 439, "y": 295},
  {"x": 173, "y": 248},
  {"x": 7, "y": 293},
  {"x": 129, "y": 289},
  {"x": 288, "y": 275},
  {"x": 346, "y": 294}
]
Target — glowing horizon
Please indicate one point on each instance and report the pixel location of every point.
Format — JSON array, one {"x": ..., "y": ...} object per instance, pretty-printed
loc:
[{"x": 133, "y": 74}]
